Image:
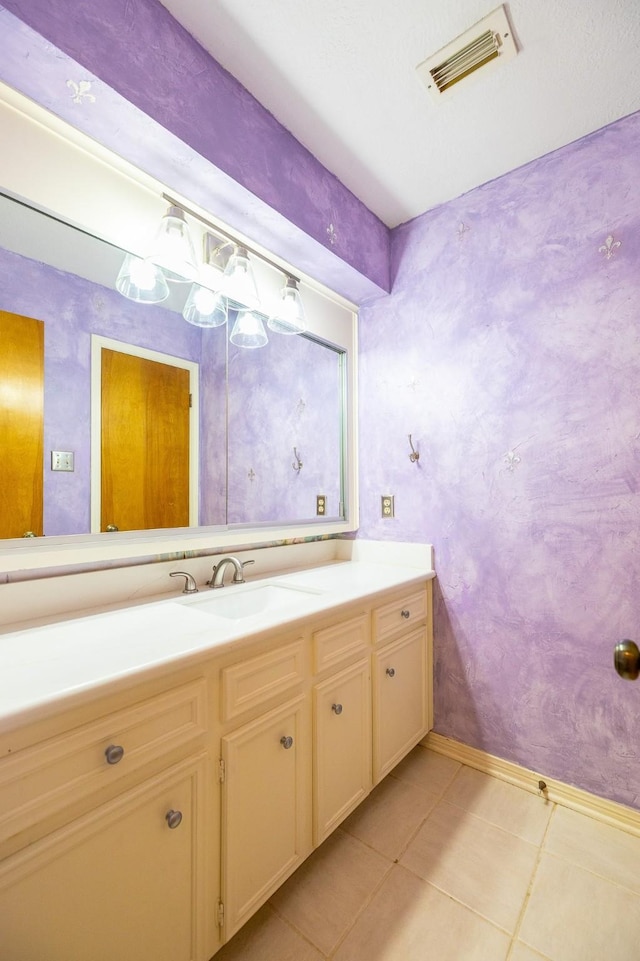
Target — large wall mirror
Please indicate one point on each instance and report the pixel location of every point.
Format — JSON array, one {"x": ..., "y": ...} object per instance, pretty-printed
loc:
[{"x": 267, "y": 442}]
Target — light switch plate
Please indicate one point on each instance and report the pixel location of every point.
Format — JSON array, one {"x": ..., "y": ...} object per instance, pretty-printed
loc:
[
  {"x": 387, "y": 505},
  {"x": 62, "y": 460}
]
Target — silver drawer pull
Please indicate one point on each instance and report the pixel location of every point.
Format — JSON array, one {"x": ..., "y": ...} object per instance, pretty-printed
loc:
[
  {"x": 286, "y": 742},
  {"x": 391, "y": 672},
  {"x": 114, "y": 753},
  {"x": 336, "y": 708},
  {"x": 174, "y": 819},
  {"x": 405, "y": 613}
]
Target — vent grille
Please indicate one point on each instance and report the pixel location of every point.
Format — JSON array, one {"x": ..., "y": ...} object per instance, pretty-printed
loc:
[{"x": 486, "y": 43}]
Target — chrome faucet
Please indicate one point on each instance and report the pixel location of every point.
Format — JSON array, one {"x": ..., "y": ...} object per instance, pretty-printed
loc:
[{"x": 217, "y": 576}]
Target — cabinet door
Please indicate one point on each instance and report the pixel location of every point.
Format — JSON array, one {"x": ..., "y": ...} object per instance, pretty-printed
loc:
[
  {"x": 266, "y": 803},
  {"x": 399, "y": 700},
  {"x": 342, "y": 742},
  {"x": 119, "y": 883}
]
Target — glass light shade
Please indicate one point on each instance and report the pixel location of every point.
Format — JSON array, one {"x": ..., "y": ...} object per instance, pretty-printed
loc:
[
  {"x": 239, "y": 284},
  {"x": 289, "y": 316},
  {"x": 141, "y": 281},
  {"x": 205, "y": 307},
  {"x": 248, "y": 330},
  {"x": 173, "y": 248}
]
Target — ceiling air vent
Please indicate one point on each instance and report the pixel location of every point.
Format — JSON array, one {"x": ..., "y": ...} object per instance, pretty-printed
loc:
[{"x": 486, "y": 44}]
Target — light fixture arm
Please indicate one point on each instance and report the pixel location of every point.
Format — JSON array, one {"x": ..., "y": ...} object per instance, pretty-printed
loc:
[{"x": 229, "y": 238}]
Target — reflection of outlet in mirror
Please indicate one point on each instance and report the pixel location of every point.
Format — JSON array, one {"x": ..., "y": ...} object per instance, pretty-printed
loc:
[
  {"x": 62, "y": 460},
  {"x": 321, "y": 505},
  {"x": 386, "y": 505}
]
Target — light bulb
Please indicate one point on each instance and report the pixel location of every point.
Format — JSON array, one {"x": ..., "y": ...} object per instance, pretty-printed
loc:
[
  {"x": 248, "y": 330},
  {"x": 141, "y": 281},
  {"x": 239, "y": 285},
  {"x": 205, "y": 307},
  {"x": 289, "y": 316},
  {"x": 173, "y": 249}
]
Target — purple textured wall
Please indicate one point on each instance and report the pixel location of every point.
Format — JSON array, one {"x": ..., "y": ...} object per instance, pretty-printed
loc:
[
  {"x": 510, "y": 349},
  {"x": 285, "y": 395},
  {"x": 241, "y": 163}
]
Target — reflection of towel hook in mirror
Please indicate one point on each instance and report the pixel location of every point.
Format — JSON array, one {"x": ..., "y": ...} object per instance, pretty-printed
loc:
[
  {"x": 297, "y": 464},
  {"x": 414, "y": 455}
]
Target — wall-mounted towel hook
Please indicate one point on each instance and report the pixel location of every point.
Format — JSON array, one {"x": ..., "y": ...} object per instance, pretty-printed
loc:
[
  {"x": 414, "y": 455},
  {"x": 297, "y": 464}
]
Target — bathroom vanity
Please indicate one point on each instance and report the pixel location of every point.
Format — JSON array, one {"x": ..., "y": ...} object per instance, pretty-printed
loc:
[{"x": 197, "y": 749}]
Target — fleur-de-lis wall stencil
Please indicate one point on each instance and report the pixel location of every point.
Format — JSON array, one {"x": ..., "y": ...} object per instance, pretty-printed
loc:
[
  {"x": 462, "y": 230},
  {"x": 81, "y": 92},
  {"x": 331, "y": 233},
  {"x": 512, "y": 460},
  {"x": 251, "y": 475},
  {"x": 609, "y": 247}
]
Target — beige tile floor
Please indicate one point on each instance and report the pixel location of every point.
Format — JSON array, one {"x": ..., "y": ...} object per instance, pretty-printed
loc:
[{"x": 442, "y": 863}]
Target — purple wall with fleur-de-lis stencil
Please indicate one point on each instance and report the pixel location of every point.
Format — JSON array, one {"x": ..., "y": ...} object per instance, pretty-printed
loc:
[{"x": 509, "y": 349}]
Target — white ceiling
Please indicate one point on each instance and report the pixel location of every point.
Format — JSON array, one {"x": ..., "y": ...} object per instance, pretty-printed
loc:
[{"x": 340, "y": 75}]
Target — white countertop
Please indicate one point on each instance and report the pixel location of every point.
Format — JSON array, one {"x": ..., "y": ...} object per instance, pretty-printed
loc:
[{"x": 44, "y": 668}]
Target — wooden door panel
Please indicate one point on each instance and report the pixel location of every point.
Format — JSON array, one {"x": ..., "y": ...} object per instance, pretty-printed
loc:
[
  {"x": 21, "y": 424},
  {"x": 144, "y": 443}
]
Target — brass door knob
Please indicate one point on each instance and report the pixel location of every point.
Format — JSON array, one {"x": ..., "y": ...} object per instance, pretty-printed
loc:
[{"x": 626, "y": 659}]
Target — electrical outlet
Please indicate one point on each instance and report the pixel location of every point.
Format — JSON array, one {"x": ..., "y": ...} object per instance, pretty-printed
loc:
[
  {"x": 387, "y": 505},
  {"x": 62, "y": 460},
  {"x": 321, "y": 504}
]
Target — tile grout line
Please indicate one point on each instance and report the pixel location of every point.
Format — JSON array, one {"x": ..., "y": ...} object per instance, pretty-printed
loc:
[{"x": 527, "y": 897}]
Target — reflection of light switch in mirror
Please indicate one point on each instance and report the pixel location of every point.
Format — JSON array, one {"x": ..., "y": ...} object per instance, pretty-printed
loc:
[
  {"x": 62, "y": 460},
  {"x": 387, "y": 507},
  {"x": 321, "y": 505}
]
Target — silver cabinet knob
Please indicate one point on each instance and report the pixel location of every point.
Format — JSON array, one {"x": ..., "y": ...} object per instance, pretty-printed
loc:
[
  {"x": 114, "y": 753},
  {"x": 173, "y": 819},
  {"x": 626, "y": 659},
  {"x": 286, "y": 742},
  {"x": 336, "y": 708},
  {"x": 405, "y": 613},
  {"x": 391, "y": 672}
]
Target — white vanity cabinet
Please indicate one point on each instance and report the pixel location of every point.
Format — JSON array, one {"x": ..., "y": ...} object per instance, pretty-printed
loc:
[
  {"x": 341, "y": 721},
  {"x": 264, "y": 770},
  {"x": 104, "y": 830},
  {"x": 401, "y": 679},
  {"x": 150, "y": 823},
  {"x": 265, "y": 808}
]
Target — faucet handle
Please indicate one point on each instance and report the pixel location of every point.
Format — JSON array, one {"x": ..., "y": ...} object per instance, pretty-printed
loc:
[
  {"x": 190, "y": 586},
  {"x": 238, "y": 577}
]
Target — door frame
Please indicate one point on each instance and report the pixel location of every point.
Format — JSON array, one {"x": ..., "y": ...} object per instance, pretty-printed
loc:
[{"x": 97, "y": 344}]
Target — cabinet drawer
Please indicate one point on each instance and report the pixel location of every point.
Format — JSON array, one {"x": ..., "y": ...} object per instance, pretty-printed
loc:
[
  {"x": 253, "y": 682},
  {"x": 332, "y": 645},
  {"x": 399, "y": 615},
  {"x": 44, "y": 779}
]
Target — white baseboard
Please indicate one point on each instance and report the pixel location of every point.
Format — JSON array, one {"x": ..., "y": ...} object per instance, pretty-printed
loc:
[{"x": 610, "y": 812}]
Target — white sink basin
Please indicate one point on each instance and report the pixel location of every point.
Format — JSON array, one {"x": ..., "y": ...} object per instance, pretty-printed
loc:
[{"x": 237, "y": 603}]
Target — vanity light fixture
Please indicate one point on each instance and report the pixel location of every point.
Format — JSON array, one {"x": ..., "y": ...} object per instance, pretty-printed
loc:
[
  {"x": 173, "y": 248},
  {"x": 142, "y": 281},
  {"x": 289, "y": 316},
  {"x": 248, "y": 330},
  {"x": 205, "y": 307},
  {"x": 224, "y": 280}
]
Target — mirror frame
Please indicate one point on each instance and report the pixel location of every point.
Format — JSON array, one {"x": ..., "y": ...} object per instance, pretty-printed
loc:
[{"x": 108, "y": 549}]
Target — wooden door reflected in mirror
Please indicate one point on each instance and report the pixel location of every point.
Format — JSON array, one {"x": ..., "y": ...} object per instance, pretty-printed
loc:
[
  {"x": 21, "y": 425},
  {"x": 145, "y": 443}
]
